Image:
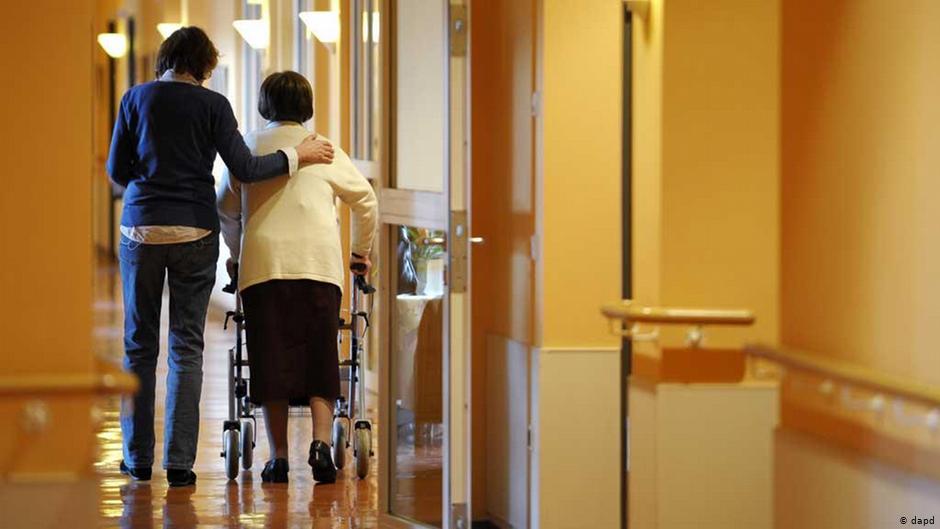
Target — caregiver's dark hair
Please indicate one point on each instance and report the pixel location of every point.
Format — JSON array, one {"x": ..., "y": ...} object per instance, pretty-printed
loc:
[
  {"x": 286, "y": 96},
  {"x": 188, "y": 50}
]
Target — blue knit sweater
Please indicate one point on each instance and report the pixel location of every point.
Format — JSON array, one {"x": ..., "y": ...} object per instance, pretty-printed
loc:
[{"x": 165, "y": 141}]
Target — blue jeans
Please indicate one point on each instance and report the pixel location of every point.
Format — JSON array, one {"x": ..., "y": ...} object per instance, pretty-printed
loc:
[{"x": 189, "y": 269}]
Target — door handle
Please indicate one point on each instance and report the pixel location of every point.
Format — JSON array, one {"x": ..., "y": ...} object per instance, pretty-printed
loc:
[{"x": 476, "y": 240}]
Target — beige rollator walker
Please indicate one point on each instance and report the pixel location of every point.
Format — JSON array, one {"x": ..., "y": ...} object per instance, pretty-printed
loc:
[{"x": 240, "y": 429}]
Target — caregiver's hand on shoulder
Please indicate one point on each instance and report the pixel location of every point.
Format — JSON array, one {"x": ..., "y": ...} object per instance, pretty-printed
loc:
[{"x": 312, "y": 150}]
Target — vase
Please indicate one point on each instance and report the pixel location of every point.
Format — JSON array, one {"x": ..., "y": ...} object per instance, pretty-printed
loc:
[{"x": 430, "y": 275}]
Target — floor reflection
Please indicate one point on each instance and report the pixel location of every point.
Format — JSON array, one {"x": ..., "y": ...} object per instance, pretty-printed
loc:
[
  {"x": 417, "y": 488},
  {"x": 215, "y": 501}
]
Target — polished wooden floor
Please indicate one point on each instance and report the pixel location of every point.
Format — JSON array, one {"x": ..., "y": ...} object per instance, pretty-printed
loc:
[{"x": 215, "y": 501}]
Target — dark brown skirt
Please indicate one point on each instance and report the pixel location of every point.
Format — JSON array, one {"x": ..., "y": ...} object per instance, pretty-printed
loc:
[{"x": 291, "y": 328}]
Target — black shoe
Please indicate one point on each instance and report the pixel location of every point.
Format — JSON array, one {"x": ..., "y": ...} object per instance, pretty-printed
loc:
[
  {"x": 322, "y": 462},
  {"x": 140, "y": 474},
  {"x": 178, "y": 477},
  {"x": 275, "y": 471}
]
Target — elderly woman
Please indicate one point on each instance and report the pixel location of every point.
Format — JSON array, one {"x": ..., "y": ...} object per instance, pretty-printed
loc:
[
  {"x": 166, "y": 137},
  {"x": 285, "y": 234}
]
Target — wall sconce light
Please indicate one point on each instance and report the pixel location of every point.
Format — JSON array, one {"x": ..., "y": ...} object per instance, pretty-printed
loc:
[
  {"x": 167, "y": 28},
  {"x": 114, "y": 44},
  {"x": 255, "y": 32},
  {"x": 323, "y": 24}
]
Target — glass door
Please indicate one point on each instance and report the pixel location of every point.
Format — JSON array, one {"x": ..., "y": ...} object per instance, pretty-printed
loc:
[{"x": 424, "y": 361}]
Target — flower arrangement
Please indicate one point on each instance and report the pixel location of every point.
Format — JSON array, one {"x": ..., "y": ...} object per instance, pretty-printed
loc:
[
  {"x": 425, "y": 244},
  {"x": 422, "y": 254}
]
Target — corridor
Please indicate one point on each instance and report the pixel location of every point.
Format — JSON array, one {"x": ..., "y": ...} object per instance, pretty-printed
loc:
[{"x": 635, "y": 264}]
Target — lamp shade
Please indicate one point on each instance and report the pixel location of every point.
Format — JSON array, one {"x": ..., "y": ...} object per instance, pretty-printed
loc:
[
  {"x": 323, "y": 24},
  {"x": 255, "y": 32},
  {"x": 114, "y": 44},
  {"x": 167, "y": 28}
]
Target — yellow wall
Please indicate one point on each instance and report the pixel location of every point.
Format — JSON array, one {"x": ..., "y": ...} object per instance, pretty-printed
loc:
[
  {"x": 647, "y": 88},
  {"x": 575, "y": 363},
  {"x": 861, "y": 126},
  {"x": 216, "y": 19},
  {"x": 46, "y": 275},
  {"x": 720, "y": 173},
  {"x": 45, "y": 211},
  {"x": 579, "y": 193},
  {"x": 706, "y": 178},
  {"x": 705, "y": 226}
]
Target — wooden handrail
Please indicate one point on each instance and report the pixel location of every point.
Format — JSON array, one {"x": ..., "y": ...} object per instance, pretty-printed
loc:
[
  {"x": 854, "y": 375},
  {"x": 629, "y": 313},
  {"x": 107, "y": 379}
]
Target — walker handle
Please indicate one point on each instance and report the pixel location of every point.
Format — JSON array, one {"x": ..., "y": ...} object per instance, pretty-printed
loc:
[
  {"x": 232, "y": 286},
  {"x": 361, "y": 283}
]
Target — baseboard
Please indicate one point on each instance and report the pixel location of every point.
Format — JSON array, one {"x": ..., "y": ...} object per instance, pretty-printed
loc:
[{"x": 495, "y": 522}]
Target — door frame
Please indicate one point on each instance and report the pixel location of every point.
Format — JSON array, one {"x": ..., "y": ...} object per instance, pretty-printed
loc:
[
  {"x": 626, "y": 353},
  {"x": 430, "y": 210}
]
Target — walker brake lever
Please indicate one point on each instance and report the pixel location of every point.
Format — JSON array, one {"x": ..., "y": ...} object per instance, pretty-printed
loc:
[{"x": 364, "y": 286}]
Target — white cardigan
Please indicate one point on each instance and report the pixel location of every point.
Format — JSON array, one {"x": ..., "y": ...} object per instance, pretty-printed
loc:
[{"x": 286, "y": 227}]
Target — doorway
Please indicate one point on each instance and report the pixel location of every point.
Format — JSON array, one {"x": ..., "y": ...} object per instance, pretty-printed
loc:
[
  {"x": 506, "y": 110},
  {"x": 424, "y": 367},
  {"x": 443, "y": 358}
]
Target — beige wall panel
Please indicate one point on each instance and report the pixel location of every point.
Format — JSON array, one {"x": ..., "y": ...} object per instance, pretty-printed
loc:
[
  {"x": 641, "y": 492},
  {"x": 577, "y": 438},
  {"x": 714, "y": 451},
  {"x": 705, "y": 447},
  {"x": 507, "y": 417},
  {"x": 819, "y": 486}
]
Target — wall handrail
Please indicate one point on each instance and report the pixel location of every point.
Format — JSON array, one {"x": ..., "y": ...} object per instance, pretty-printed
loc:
[
  {"x": 630, "y": 313},
  {"x": 848, "y": 373},
  {"x": 106, "y": 379}
]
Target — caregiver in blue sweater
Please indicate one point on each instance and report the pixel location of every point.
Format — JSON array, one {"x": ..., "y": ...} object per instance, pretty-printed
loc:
[{"x": 166, "y": 137}]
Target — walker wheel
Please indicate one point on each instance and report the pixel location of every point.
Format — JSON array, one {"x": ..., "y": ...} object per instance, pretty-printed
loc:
[
  {"x": 339, "y": 439},
  {"x": 247, "y": 443},
  {"x": 230, "y": 451},
  {"x": 363, "y": 451}
]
